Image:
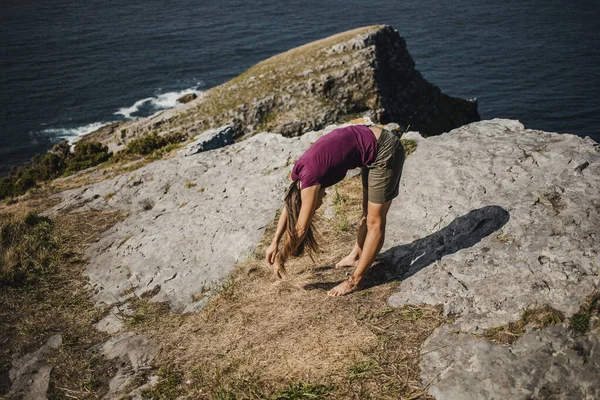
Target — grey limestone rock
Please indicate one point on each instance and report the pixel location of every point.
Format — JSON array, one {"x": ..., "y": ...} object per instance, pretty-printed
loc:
[
  {"x": 30, "y": 374},
  {"x": 551, "y": 363},
  {"x": 190, "y": 219},
  {"x": 210, "y": 140},
  {"x": 492, "y": 219},
  {"x": 113, "y": 321},
  {"x": 133, "y": 354}
]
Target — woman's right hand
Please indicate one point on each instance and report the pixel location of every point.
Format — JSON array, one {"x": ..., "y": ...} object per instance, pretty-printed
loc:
[{"x": 271, "y": 253}]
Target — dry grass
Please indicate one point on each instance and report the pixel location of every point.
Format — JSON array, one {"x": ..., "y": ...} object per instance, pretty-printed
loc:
[
  {"x": 262, "y": 338},
  {"x": 537, "y": 318},
  {"x": 58, "y": 303},
  {"x": 36, "y": 200},
  {"x": 590, "y": 308},
  {"x": 409, "y": 146}
]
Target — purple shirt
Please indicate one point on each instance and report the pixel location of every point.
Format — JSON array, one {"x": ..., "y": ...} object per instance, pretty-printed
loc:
[{"x": 332, "y": 155}]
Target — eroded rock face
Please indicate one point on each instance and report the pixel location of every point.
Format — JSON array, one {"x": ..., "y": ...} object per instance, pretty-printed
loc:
[
  {"x": 366, "y": 70},
  {"x": 191, "y": 219},
  {"x": 186, "y": 98},
  {"x": 492, "y": 219},
  {"x": 210, "y": 140}
]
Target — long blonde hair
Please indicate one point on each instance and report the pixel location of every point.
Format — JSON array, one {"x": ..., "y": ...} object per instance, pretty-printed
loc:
[{"x": 293, "y": 202}]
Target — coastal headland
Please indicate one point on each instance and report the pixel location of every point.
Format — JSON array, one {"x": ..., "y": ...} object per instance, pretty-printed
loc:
[{"x": 143, "y": 276}]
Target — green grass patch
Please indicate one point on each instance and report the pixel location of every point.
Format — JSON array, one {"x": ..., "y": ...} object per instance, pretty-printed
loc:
[
  {"x": 167, "y": 387},
  {"x": 580, "y": 321},
  {"x": 537, "y": 318},
  {"x": 60, "y": 161},
  {"x": 359, "y": 370},
  {"x": 148, "y": 144},
  {"x": 30, "y": 249},
  {"x": 303, "y": 391}
]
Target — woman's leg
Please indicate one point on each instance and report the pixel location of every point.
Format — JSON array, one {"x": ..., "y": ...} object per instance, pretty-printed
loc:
[
  {"x": 351, "y": 259},
  {"x": 383, "y": 186},
  {"x": 376, "y": 219}
]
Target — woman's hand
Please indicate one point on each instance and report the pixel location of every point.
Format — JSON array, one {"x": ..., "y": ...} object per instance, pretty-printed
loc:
[{"x": 271, "y": 253}]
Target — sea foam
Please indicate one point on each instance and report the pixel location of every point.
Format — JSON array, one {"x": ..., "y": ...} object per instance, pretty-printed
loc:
[
  {"x": 159, "y": 102},
  {"x": 73, "y": 134}
]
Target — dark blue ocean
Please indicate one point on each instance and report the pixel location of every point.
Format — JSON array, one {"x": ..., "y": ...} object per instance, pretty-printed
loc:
[{"x": 67, "y": 67}]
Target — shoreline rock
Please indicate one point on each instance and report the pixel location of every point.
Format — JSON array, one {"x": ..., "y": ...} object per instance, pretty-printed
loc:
[{"x": 186, "y": 98}]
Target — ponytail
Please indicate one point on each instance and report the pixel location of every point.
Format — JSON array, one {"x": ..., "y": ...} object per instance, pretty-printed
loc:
[{"x": 293, "y": 203}]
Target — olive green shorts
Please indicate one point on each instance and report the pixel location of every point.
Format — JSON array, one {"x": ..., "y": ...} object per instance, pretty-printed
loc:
[{"x": 382, "y": 177}]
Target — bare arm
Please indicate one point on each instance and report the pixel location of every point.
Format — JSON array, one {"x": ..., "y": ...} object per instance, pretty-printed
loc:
[{"x": 309, "y": 197}]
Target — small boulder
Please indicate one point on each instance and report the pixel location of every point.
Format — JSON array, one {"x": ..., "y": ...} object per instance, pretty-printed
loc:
[
  {"x": 210, "y": 140},
  {"x": 186, "y": 98}
]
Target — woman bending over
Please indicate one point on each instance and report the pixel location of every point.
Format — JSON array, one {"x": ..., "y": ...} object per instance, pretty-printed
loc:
[{"x": 380, "y": 154}]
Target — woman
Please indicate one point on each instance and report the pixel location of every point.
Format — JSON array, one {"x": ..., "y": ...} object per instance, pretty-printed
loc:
[{"x": 381, "y": 155}]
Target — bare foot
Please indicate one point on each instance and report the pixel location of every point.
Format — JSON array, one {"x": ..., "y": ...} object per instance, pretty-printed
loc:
[
  {"x": 344, "y": 288},
  {"x": 349, "y": 261}
]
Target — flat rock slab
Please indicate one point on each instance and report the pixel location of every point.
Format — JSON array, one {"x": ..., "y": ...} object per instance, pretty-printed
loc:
[
  {"x": 133, "y": 354},
  {"x": 190, "y": 219},
  {"x": 551, "y": 363},
  {"x": 30, "y": 374},
  {"x": 209, "y": 140},
  {"x": 492, "y": 219}
]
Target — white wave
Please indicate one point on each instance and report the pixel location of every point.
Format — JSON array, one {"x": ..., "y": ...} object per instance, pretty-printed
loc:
[
  {"x": 73, "y": 134},
  {"x": 127, "y": 111},
  {"x": 169, "y": 99},
  {"x": 159, "y": 102}
]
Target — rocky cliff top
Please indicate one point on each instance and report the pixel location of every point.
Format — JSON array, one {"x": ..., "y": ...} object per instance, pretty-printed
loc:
[
  {"x": 495, "y": 223},
  {"x": 366, "y": 70},
  {"x": 493, "y": 219}
]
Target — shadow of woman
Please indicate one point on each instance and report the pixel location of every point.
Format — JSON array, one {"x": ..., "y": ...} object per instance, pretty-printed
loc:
[{"x": 403, "y": 261}]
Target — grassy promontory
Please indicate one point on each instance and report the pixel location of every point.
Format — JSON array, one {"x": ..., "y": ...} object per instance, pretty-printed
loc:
[{"x": 365, "y": 70}]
